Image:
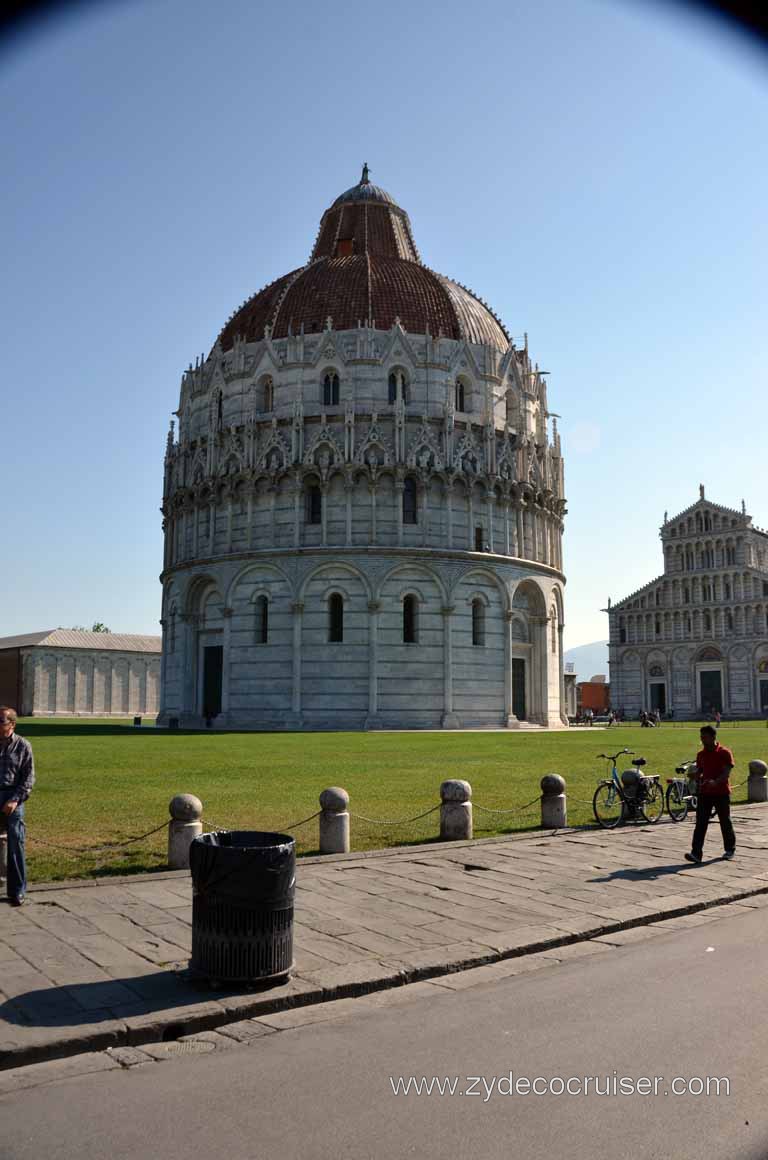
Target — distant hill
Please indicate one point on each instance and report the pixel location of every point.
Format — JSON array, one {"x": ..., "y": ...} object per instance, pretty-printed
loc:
[{"x": 588, "y": 660}]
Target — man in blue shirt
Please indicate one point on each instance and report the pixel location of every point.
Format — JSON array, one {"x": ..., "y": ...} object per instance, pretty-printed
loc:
[{"x": 17, "y": 776}]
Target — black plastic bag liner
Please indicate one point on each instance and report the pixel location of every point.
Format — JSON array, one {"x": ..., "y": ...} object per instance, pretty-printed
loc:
[{"x": 251, "y": 865}]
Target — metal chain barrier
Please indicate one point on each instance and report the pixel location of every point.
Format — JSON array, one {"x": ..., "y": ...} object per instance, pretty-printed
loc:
[
  {"x": 295, "y": 825},
  {"x": 514, "y": 810},
  {"x": 112, "y": 847},
  {"x": 397, "y": 821}
]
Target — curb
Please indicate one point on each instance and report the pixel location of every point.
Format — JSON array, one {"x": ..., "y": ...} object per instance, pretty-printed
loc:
[{"x": 336, "y": 983}]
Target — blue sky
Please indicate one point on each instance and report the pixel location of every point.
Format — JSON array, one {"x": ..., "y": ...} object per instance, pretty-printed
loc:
[{"x": 595, "y": 170}]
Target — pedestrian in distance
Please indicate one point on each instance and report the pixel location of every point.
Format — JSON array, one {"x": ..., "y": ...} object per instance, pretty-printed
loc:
[
  {"x": 713, "y": 766},
  {"x": 17, "y": 776}
]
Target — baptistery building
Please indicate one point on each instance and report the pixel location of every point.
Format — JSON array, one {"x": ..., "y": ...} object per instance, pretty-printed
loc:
[
  {"x": 694, "y": 641},
  {"x": 363, "y": 503}
]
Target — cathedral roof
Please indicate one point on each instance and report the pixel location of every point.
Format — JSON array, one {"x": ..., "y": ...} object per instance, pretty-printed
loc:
[{"x": 365, "y": 270}]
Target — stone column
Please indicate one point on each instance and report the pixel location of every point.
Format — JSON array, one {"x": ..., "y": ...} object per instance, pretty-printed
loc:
[
  {"x": 422, "y": 514},
  {"x": 195, "y": 530},
  {"x": 249, "y": 518},
  {"x": 211, "y": 527},
  {"x": 188, "y": 665},
  {"x": 510, "y": 720},
  {"x": 398, "y": 492},
  {"x": 324, "y": 514},
  {"x": 185, "y": 825},
  {"x": 297, "y": 514},
  {"x": 520, "y": 542},
  {"x": 450, "y": 720},
  {"x": 554, "y": 814},
  {"x": 334, "y": 821},
  {"x": 348, "y": 493},
  {"x": 374, "y": 607},
  {"x": 229, "y": 524},
  {"x": 491, "y": 503},
  {"x": 505, "y": 508},
  {"x": 372, "y": 492},
  {"x": 455, "y": 811},
  {"x": 757, "y": 784},
  {"x": 298, "y": 610},
  {"x": 226, "y": 664},
  {"x": 449, "y": 507},
  {"x": 470, "y": 517}
]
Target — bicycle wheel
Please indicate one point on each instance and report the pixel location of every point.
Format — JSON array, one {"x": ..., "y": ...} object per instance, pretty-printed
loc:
[
  {"x": 653, "y": 806},
  {"x": 607, "y": 805},
  {"x": 677, "y": 806}
]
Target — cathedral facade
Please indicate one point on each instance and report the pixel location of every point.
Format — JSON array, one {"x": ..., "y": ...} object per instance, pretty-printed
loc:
[
  {"x": 694, "y": 641},
  {"x": 363, "y": 506}
]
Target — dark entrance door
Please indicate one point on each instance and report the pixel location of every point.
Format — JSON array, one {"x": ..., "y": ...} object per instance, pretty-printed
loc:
[
  {"x": 518, "y": 688},
  {"x": 764, "y": 696},
  {"x": 213, "y": 664},
  {"x": 711, "y": 692},
  {"x": 659, "y": 696}
]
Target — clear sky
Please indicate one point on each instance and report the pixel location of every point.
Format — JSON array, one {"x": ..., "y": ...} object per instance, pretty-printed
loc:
[{"x": 595, "y": 169}]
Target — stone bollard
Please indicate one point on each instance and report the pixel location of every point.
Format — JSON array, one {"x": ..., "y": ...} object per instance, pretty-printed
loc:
[
  {"x": 554, "y": 809},
  {"x": 185, "y": 810},
  {"x": 455, "y": 810},
  {"x": 334, "y": 821},
  {"x": 757, "y": 784}
]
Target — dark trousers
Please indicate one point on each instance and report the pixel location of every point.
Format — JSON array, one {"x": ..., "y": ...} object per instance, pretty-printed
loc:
[
  {"x": 16, "y": 884},
  {"x": 722, "y": 803}
]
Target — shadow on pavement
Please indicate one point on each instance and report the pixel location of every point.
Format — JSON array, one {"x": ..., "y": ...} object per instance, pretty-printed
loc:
[
  {"x": 647, "y": 873},
  {"x": 81, "y": 1004}
]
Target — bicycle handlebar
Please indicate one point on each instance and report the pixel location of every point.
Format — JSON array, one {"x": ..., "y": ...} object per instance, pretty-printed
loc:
[{"x": 608, "y": 756}]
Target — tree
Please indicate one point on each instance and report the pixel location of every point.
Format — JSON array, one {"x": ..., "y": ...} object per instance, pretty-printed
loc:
[{"x": 99, "y": 627}]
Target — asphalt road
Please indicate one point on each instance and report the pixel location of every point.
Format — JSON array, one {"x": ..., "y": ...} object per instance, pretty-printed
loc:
[{"x": 688, "y": 1003}]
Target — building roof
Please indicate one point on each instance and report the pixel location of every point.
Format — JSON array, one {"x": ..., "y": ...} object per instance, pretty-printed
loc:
[
  {"x": 365, "y": 270},
  {"x": 73, "y": 638}
]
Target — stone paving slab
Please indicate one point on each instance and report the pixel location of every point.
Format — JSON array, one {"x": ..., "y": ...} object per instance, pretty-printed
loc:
[{"x": 102, "y": 964}]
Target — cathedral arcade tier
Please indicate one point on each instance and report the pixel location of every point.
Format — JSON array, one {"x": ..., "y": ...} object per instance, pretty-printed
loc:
[{"x": 363, "y": 508}]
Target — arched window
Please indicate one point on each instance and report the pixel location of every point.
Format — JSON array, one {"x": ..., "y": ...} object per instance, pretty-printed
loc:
[
  {"x": 262, "y": 620},
  {"x": 729, "y": 621},
  {"x": 410, "y": 620},
  {"x": 313, "y": 504},
  {"x": 331, "y": 390},
  {"x": 478, "y": 622},
  {"x": 410, "y": 502},
  {"x": 707, "y": 622},
  {"x": 267, "y": 394},
  {"x": 460, "y": 400},
  {"x": 172, "y": 630},
  {"x": 398, "y": 387},
  {"x": 335, "y": 618}
]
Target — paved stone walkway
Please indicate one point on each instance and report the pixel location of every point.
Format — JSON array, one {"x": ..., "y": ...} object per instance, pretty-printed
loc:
[{"x": 96, "y": 964}]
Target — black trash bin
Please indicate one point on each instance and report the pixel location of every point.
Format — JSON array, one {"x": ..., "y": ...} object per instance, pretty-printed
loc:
[{"x": 243, "y": 884}]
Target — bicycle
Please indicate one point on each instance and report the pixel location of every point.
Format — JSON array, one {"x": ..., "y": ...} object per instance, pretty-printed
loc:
[
  {"x": 681, "y": 792},
  {"x": 613, "y": 802}
]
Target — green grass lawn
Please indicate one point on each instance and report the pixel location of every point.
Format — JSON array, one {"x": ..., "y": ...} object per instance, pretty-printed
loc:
[{"x": 104, "y": 781}]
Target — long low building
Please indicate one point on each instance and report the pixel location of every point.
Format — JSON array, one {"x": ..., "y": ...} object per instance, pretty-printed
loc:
[{"x": 64, "y": 672}]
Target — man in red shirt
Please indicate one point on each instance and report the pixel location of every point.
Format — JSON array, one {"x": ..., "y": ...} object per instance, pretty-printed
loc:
[{"x": 713, "y": 765}]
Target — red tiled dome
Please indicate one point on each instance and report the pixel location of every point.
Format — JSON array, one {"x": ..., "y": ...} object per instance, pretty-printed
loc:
[{"x": 365, "y": 270}]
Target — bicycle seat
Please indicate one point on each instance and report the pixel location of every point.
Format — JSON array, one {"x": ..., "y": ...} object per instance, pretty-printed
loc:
[{"x": 638, "y": 761}]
